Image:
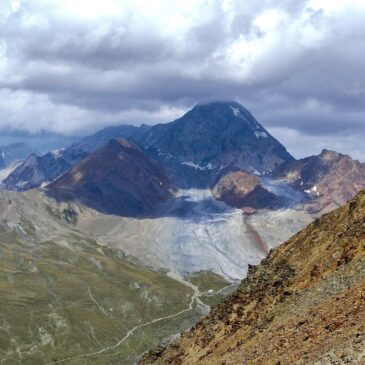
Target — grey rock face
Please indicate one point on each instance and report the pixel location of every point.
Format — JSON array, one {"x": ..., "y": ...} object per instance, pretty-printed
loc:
[
  {"x": 37, "y": 170},
  {"x": 213, "y": 139}
]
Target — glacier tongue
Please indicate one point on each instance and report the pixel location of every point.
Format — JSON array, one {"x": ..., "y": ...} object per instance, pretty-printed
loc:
[
  {"x": 209, "y": 235},
  {"x": 194, "y": 232}
]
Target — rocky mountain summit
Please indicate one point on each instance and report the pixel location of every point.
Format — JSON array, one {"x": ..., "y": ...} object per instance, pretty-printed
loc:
[
  {"x": 205, "y": 148},
  {"x": 119, "y": 179},
  {"x": 207, "y": 142},
  {"x": 329, "y": 179},
  {"x": 304, "y": 304},
  {"x": 243, "y": 190},
  {"x": 213, "y": 139}
]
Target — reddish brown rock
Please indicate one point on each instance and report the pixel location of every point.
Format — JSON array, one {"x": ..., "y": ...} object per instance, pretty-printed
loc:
[
  {"x": 304, "y": 304},
  {"x": 118, "y": 179},
  {"x": 329, "y": 179},
  {"x": 241, "y": 189}
]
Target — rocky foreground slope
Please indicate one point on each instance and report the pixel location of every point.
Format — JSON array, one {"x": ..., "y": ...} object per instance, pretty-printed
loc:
[{"x": 304, "y": 304}]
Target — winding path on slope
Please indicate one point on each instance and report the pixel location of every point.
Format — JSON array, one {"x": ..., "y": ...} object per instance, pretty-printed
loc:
[{"x": 195, "y": 298}]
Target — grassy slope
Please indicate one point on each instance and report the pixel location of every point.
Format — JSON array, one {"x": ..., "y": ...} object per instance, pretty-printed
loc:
[
  {"x": 206, "y": 281},
  {"x": 62, "y": 294},
  {"x": 48, "y": 296}
]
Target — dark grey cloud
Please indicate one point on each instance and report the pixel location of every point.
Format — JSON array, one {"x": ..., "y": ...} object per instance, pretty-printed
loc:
[{"x": 73, "y": 67}]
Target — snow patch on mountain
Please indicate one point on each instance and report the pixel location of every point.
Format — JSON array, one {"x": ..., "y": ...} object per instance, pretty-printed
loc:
[
  {"x": 253, "y": 124},
  {"x": 4, "y": 173},
  {"x": 58, "y": 152},
  {"x": 261, "y": 134},
  {"x": 312, "y": 191},
  {"x": 235, "y": 111},
  {"x": 209, "y": 166}
]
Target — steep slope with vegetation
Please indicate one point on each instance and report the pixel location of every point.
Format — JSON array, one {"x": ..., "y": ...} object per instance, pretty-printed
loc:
[
  {"x": 304, "y": 304},
  {"x": 65, "y": 299}
]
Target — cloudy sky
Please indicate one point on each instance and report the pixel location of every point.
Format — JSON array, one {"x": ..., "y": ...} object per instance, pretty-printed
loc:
[{"x": 74, "y": 66}]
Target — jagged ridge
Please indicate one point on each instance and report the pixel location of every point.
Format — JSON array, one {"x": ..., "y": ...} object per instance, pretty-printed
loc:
[{"x": 330, "y": 178}]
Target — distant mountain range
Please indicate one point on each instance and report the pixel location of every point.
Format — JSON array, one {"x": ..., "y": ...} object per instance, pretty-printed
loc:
[
  {"x": 125, "y": 238},
  {"x": 212, "y": 146},
  {"x": 101, "y": 138},
  {"x": 329, "y": 179},
  {"x": 211, "y": 140},
  {"x": 205, "y": 143},
  {"x": 39, "y": 170}
]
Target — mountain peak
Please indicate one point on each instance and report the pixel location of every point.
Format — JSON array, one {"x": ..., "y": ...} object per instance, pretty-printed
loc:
[
  {"x": 220, "y": 104},
  {"x": 329, "y": 154},
  {"x": 215, "y": 136},
  {"x": 331, "y": 178},
  {"x": 230, "y": 106},
  {"x": 227, "y": 114},
  {"x": 118, "y": 178}
]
